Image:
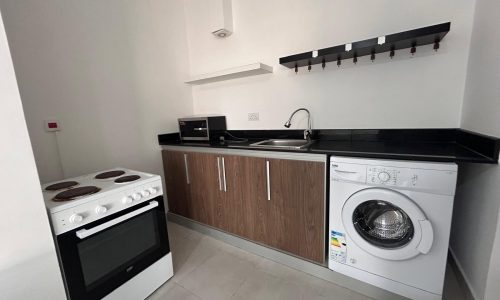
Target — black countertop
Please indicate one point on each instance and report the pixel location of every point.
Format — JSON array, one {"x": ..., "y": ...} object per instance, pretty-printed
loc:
[{"x": 442, "y": 145}]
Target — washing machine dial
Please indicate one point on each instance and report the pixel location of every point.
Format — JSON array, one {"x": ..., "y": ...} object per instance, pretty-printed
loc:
[{"x": 384, "y": 176}]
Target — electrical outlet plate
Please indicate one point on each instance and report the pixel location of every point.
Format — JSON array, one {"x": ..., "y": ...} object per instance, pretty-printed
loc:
[{"x": 253, "y": 116}]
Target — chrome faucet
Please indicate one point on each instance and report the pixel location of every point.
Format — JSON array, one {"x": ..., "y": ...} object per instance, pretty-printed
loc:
[{"x": 308, "y": 131}]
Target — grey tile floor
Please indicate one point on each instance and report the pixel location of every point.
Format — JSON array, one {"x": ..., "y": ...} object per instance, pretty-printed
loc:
[{"x": 208, "y": 269}]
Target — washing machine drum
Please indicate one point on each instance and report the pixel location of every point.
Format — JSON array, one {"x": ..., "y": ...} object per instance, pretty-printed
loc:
[
  {"x": 383, "y": 224},
  {"x": 387, "y": 224}
]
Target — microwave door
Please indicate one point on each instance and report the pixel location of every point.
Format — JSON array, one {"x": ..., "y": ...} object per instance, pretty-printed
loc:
[{"x": 194, "y": 130}]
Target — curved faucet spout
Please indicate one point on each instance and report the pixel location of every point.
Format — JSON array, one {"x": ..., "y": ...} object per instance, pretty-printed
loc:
[{"x": 308, "y": 131}]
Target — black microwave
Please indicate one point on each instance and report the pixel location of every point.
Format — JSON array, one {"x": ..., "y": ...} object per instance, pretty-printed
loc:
[{"x": 204, "y": 128}]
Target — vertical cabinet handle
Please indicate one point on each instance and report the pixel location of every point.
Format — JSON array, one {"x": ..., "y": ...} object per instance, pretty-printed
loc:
[
  {"x": 218, "y": 171},
  {"x": 224, "y": 174},
  {"x": 268, "y": 177},
  {"x": 186, "y": 166}
]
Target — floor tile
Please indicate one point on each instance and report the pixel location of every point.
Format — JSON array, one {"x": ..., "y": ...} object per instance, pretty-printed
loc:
[
  {"x": 260, "y": 285},
  {"x": 209, "y": 269},
  {"x": 219, "y": 277},
  {"x": 190, "y": 254},
  {"x": 452, "y": 289},
  {"x": 290, "y": 274},
  {"x": 173, "y": 291},
  {"x": 251, "y": 258},
  {"x": 176, "y": 230}
]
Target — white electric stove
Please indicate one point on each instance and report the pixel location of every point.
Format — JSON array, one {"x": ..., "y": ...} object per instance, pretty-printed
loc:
[{"x": 111, "y": 234}]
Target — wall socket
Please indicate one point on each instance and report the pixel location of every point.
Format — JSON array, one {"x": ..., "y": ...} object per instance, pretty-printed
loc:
[{"x": 253, "y": 116}]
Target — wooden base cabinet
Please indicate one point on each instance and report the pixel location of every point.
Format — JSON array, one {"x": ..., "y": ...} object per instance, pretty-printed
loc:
[
  {"x": 276, "y": 202},
  {"x": 205, "y": 193},
  {"x": 177, "y": 182},
  {"x": 244, "y": 191},
  {"x": 192, "y": 184},
  {"x": 295, "y": 208}
]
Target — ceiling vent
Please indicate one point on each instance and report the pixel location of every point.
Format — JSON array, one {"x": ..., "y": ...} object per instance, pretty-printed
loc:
[{"x": 221, "y": 18}]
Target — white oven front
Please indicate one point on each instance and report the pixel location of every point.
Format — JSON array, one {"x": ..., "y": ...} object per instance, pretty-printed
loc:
[{"x": 99, "y": 257}]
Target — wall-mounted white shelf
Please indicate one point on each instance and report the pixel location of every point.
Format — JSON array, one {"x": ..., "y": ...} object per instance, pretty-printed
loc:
[{"x": 232, "y": 73}]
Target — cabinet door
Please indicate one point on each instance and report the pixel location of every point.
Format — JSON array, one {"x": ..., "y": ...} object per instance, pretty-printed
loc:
[
  {"x": 244, "y": 189},
  {"x": 295, "y": 215},
  {"x": 205, "y": 187},
  {"x": 174, "y": 168}
]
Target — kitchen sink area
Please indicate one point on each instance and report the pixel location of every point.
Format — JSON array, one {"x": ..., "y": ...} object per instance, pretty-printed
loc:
[{"x": 283, "y": 144}]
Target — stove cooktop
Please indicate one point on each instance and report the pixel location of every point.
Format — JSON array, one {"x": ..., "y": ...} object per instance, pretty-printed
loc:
[{"x": 72, "y": 192}]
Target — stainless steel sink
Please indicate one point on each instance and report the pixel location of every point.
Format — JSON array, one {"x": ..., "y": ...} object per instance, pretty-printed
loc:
[{"x": 282, "y": 144}]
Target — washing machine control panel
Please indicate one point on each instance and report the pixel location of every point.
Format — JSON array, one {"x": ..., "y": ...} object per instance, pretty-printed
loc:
[
  {"x": 427, "y": 178},
  {"x": 392, "y": 176},
  {"x": 383, "y": 175}
]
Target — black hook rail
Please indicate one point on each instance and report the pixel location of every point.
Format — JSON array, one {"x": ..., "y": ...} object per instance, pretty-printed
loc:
[{"x": 402, "y": 40}]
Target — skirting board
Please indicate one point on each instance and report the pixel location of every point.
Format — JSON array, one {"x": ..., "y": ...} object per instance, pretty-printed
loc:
[
  {"x": 462, "y": 280},
  {"x": 287, "y": 260}
]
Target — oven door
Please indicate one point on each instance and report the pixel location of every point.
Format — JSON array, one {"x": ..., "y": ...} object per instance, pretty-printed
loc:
[{"x": 100, "y": 256}]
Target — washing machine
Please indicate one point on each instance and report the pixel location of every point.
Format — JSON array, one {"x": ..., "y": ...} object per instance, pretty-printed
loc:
[{"x": 390, "y": 223}]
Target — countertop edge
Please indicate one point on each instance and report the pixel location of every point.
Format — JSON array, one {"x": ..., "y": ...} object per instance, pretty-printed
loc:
[{"x": 474, "y": 147}]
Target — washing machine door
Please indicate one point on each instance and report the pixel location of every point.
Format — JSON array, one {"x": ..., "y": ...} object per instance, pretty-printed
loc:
[{"x": 387, "y": 224}]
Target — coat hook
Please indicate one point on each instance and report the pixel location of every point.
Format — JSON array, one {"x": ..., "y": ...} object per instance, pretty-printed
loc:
[
  {"x": 392, "y": 53},
  {"x": 436, "y": 45},
  {"x": 339, "y": 62},
  {"x": 413, "y": 48},
  {"x": 372, "y": 57},
  {"x": 323, "y": 63},
  {"x": 309, "y": 66},
  {"x": 296, "y": 68},
  {"x": 355, "y": 58}
]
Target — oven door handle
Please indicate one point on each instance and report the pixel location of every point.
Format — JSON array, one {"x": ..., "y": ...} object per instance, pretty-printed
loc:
[{"x": 84, "y": 233}]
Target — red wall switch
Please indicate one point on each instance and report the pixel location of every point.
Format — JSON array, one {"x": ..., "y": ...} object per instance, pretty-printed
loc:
[{"x": 52, "y": 126}]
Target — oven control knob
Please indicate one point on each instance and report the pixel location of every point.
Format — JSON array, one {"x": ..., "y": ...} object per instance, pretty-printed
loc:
[
  {"x": 152, "y": 191},
  {"x": 145, "y": 193},
  {"x": 127, "y": 200},
  {"x": 384, "y": 176},
  {"x": 75, "y": 218},
  {"x": 100, "y": 210},
  {"x": 136, "y": 196}
]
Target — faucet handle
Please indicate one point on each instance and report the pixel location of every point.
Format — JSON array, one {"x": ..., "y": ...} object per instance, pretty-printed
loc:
[{"x": 307, "y": 134}]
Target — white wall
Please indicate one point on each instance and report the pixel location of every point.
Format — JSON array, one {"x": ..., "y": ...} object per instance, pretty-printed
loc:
[
  {"x": 28, "y": 262},
  {"x": 423, "y": 91},
  {"x": 475, "y": 222},
  {"x": 109, "y": 71},
  {"x": 475, "y": 233}
]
